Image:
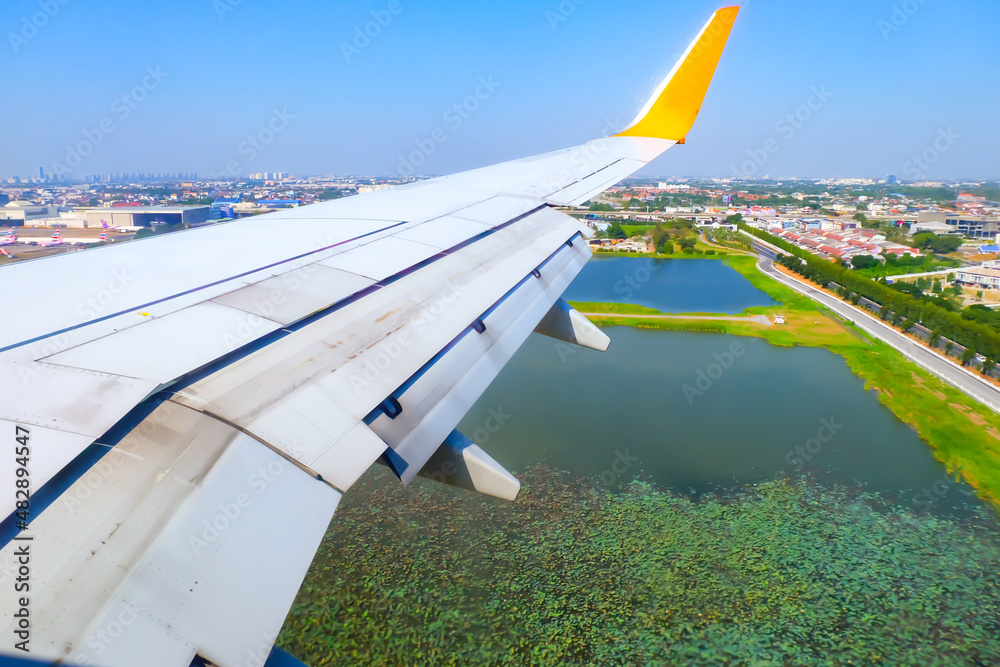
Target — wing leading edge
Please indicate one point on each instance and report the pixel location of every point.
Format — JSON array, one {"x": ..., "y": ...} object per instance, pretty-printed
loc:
[{"x": 240, "y": 394}]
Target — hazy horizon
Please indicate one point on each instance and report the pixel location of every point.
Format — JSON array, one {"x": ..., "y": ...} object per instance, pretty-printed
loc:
[{"x": 853, "y": 90}]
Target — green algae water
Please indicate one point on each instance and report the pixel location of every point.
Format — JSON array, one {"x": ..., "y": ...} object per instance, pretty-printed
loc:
[
  {"x": 785, "y": 573},
  {"x": 687, "y": 499}
]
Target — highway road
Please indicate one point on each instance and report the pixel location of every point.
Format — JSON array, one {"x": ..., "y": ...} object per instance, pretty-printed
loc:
[{"x": 957, "y": 376}]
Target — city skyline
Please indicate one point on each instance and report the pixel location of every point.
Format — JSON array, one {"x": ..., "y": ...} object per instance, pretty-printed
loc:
[{"x": 857, "y": 90}]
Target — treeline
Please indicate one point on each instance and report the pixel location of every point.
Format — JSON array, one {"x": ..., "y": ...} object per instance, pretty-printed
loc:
[
  {"x": 934, "y": 313},
  {"x": 679, "y": 231}
]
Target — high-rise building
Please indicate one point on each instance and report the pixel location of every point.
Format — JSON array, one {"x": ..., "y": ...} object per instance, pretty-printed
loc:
[{"x": 891, "y": 180}]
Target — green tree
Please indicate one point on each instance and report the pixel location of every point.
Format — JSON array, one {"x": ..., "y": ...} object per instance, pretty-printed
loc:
[
  {"x": 945, "y": 244},
  {"x": 862, "y": 262},
  {"x": 937, "y": 289},
  {"x": 615, "y": 231},
  {"x": 967, "y": 356},
  {"x": 923, "y": 240}
]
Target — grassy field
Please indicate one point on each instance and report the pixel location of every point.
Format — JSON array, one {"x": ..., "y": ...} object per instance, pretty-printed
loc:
[
  {"x": 573, "y": 573},
  {"x": 964, "y": 434}
]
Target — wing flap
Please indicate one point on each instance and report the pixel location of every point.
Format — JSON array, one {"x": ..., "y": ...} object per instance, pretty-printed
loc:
[
  {"x": 434, "y": 401},
  {"x": 155, "y": 556}
]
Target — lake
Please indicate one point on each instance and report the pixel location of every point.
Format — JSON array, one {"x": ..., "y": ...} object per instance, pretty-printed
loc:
[
  {"x": 668, "y": 285},
  {"x": 697, "y": 412}
]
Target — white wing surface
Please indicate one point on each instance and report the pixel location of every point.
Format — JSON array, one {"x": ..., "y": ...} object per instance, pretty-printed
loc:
[{"x": 192, "y": 407}]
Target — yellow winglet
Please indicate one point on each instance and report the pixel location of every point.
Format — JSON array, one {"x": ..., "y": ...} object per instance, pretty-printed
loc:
[{"x": 672, "y": 110}]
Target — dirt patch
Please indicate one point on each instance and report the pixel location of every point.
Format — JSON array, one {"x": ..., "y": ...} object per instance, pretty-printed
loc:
[{"x": 920, "y": 382}]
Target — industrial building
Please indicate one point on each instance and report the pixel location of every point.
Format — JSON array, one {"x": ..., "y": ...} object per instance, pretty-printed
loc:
[
  {"x": 972, "y": 226},
  {"x": 146, "y": 216},
  {"x": 983, "y": 277},
  {"x": 21, "y": 213}
]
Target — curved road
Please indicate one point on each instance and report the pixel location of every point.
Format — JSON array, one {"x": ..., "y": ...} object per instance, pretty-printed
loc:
[{"x": 957, "y": 376}]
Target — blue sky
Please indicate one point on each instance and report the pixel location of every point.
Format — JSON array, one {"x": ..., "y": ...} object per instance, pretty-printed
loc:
[{"x": 898, "y": 75}]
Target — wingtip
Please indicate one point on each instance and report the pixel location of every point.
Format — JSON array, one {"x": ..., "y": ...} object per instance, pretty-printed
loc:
[{"x": 673, "y": 108}]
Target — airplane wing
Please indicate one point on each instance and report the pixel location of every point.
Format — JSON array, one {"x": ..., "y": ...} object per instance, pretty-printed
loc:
[{"x": 182, "y": 415}]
